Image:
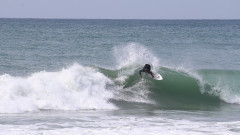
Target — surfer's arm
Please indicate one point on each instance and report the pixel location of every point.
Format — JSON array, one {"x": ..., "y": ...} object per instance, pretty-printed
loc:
[
  {"x": 140, "y": 71},
  {"x": 151, "y": 74}
]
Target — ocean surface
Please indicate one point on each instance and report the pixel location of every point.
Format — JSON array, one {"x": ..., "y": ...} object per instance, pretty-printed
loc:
[{"x": 80, "y": 77}]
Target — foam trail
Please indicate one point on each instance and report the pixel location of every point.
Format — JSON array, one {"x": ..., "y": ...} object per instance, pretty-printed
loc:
[{"x": 74, "y": 88}]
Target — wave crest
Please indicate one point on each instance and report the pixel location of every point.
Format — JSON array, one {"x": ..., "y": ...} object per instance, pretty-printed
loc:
[{"x": 74, "y": 88}]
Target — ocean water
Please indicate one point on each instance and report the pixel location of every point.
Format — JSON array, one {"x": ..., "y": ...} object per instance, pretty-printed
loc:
[{"x": 68, "y": 77}]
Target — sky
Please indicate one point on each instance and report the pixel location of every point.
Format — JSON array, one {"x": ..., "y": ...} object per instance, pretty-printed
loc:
[{"x": 121, "y": 9}]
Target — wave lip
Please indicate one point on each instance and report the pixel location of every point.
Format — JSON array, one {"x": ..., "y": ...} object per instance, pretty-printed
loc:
[
  {"x": 74, "y": 88},
  {"x": 221, "y": 83}
]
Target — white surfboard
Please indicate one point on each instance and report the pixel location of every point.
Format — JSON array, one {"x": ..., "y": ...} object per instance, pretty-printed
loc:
[{"x": 157, "y": 76}]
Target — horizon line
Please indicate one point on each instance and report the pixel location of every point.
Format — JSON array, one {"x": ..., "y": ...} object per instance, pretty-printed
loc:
[{"x": 119, "y": 18}]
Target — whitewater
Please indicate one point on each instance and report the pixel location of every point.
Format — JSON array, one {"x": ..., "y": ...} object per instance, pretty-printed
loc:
[{"x": 82, "y": 77}]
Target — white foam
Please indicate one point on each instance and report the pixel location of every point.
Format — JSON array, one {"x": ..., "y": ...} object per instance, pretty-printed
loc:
[
  {"x": 121, "y": 125},
  {"x": 137, "y": 93},
  {"x": 74, "y": 88}
]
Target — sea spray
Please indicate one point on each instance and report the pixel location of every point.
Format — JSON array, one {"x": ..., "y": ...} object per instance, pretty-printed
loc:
[{"x": 134, "y": 54}]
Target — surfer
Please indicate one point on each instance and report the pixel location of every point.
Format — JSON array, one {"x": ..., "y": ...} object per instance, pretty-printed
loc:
[{"x": 146, "y": 69}]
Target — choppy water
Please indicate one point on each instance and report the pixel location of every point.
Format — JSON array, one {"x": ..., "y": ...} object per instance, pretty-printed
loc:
[{"x": 81, "y": 76}]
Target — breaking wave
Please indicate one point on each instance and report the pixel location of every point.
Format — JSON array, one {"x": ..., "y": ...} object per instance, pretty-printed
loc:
[{"x": 89, "y": 87}]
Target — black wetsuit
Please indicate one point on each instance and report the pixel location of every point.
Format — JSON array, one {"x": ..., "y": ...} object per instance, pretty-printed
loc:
[{"x": 147, "y": 67}]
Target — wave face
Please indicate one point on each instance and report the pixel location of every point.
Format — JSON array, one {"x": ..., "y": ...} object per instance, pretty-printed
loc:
[
  {"x": 90, "y": 87},
  {"x": 180, "y": 89},
  {"x": 196, "y": 89}
]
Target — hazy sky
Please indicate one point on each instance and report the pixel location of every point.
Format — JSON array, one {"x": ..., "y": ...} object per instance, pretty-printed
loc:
[{"x": 121, "y": 9}]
